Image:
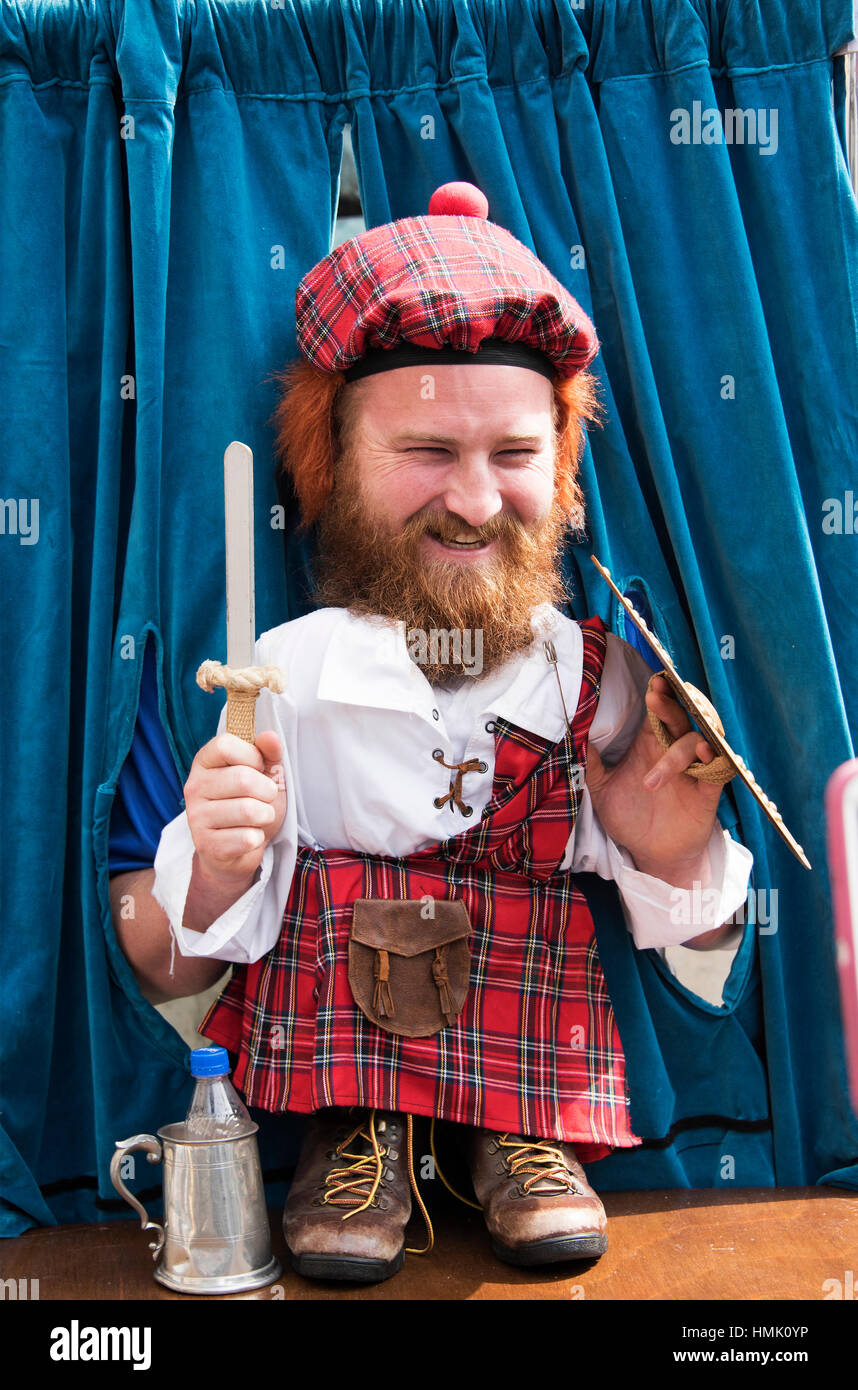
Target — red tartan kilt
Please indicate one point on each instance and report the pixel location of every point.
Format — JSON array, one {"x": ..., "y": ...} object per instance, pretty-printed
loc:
[{"x": 535, "y": 1050}]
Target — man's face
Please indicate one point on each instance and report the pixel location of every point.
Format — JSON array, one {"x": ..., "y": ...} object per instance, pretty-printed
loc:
[
  {"x": 481, "y": 447},
  {"x": 443, "y": 513}
]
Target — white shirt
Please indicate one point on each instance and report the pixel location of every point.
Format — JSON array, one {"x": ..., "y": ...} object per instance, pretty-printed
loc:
[{"x": 359, "y": 721}]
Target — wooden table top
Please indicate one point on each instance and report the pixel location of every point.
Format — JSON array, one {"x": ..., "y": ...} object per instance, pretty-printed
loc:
[{"x": 708, "y": 1244}]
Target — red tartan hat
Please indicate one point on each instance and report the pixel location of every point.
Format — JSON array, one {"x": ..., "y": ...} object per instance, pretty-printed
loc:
[{"x": 448, "y": 281}]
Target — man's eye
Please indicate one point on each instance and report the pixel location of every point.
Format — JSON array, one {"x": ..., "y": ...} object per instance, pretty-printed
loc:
[{"x": 438, "y": 449}]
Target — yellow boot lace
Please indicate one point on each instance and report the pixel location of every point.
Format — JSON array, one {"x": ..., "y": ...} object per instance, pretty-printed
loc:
[
  {"x": 534, "y": 1160},
  {"x": 356, "y": 1183},
  {"x": 537, "y": 1161}
]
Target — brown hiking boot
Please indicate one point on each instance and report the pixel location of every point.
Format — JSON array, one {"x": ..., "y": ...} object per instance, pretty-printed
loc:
[
  {"x": 350, "y": 1200},
  {"x": 537, "y": 1203}
]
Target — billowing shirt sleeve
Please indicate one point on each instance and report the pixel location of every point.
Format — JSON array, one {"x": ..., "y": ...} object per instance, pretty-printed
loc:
[
  {"x": 657, "y": 913},
  {"x": 251, "y": 926}
]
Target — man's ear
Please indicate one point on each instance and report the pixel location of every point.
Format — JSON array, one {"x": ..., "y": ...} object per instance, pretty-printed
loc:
[{"x": 302, "y": 430}]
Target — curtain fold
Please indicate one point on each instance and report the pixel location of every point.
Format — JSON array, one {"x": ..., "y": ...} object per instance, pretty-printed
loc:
[{"x": 169, "y": 172}]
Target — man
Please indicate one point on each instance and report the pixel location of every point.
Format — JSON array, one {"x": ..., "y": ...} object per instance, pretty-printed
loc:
[{"x": 391, "y": 865}]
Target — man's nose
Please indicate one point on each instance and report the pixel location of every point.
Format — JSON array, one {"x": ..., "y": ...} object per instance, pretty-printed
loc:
[{"x": 471, "y": 490}]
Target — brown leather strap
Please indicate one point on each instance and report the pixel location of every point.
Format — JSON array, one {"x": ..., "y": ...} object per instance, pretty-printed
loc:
[
  {"x": 439, "y": 975},
  {"x": 382, "y": 999}
]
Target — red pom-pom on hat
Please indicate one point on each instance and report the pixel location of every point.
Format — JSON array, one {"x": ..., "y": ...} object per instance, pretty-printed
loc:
[{"x": 459, "y": 200}]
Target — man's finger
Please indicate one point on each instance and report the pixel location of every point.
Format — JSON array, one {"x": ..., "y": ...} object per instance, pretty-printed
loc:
[
  {"x": 238, "y": 780},
  {"x": 232, "y": 845},
  {"x": 270, "y": 747},
  {"x": 596, "y": 773},
  {"x": 685, "y": 751},
  {"x": 227, "y": 749},
  {"x": 240, "y": 813},
  {"x": 671, "y": 713}
]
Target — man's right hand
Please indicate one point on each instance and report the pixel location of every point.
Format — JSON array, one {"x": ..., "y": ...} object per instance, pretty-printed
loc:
[{"x": 235, "y": 801}]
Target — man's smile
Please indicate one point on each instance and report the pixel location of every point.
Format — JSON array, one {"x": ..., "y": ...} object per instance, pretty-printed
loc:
[
  {"x": 464, "y": 538},
  {"x": 451, "y": 536},
  {"x": 463, "y": 547}
]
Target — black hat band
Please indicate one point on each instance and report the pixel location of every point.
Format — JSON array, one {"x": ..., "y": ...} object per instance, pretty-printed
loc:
[{"x": 491, "y": 352}]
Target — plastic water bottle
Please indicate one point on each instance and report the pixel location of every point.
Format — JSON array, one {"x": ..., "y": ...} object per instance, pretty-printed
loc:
[{"x": 216, "y": 1111}]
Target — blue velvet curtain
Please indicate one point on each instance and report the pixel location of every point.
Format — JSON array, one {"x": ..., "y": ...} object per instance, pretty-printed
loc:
[{"x": 169, "y": 171}]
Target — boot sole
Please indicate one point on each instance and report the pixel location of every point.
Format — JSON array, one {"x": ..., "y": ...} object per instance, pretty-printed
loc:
[
  {"x": 347, "y": 1267},
  {"x": 553, "y": 1251}
]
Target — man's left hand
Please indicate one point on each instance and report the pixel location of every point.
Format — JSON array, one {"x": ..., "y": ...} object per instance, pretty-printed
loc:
[{"x": 665, "y": 824}]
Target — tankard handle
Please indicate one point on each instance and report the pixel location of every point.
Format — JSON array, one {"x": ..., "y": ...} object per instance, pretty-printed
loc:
[{"x": 152, "y": 1148}]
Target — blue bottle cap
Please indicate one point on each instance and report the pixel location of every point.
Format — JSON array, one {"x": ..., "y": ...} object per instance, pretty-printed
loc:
[{"x": 209, "y": 1061}]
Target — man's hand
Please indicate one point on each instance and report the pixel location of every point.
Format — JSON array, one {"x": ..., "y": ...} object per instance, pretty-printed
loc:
[
  {"x": 648, "y": 804},
  {"x": 235, "y": 801}
]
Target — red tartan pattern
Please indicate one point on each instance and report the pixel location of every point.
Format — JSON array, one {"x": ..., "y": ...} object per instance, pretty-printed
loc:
[
  {"x": 535, "y": 1050},
  {"x": 437, "y": 281}
]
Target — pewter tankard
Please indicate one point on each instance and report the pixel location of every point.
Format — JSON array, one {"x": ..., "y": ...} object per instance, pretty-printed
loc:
[{"x": 215, "y": 1237}]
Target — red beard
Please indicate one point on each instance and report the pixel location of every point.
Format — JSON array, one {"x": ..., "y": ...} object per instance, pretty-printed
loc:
[{"x": 480, "y": 613}]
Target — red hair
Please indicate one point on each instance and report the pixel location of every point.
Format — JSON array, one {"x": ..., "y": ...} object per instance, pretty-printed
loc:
[{"x": 314, "y": 417}]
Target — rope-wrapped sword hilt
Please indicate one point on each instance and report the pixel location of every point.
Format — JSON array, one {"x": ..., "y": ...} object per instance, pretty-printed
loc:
[
  {"x": 242, "y": 686},
  {"x": 720, "y": 769}
]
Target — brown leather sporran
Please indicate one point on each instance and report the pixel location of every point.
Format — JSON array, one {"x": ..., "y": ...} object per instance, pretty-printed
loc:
[{"x": 410, "y": 963}]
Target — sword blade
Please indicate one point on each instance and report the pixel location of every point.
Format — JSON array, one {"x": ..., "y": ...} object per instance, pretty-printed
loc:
[{"x": 238, "y": 506}]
